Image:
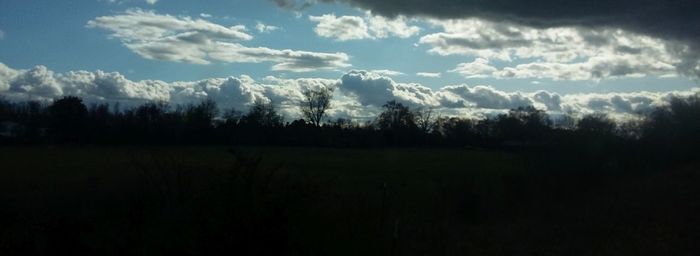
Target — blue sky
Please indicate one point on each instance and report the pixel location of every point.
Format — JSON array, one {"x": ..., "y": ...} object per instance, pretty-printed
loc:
[{"x": 508, "y": 58}]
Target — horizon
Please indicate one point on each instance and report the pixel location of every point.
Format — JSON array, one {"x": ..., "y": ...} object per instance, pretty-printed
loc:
[{"x": 236, "y": 52}]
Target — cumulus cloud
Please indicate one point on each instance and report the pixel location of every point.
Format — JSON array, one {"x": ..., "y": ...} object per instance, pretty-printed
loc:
[
  {"x": 7, "y": 75},
  {"x": 674, "y": 19},
  {"x": 346, "y": 28},
  {"x": 264, "y": 28},
  {"x": 183, "y": 39},
  {"x": 387, "y": 72},
  {"x": 341, "y": 28},
  {"x": 460, "y": 96},
  {"x": 429, "y": 74},
  {"x": 40, "y": 83},
  {"x": 36, "y": 81},
  {"x": 595, "y": 68},
  {"x": 357, "y": 95},
  {"x": 566, "y": 53},
  {"x": 479, "y": 68},
  {"x": 374, "y": 89},
  {"x": 674, "y": 22},
  {"x": 383, "y": 27}
]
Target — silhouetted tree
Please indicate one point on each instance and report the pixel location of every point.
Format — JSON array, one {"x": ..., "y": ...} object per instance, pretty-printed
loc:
[
  {"x": 597, "y": 123},
  {"x": 263, "y": 115},
  {"x": 199, "y": 120},
  {"x": 673, "y": 129},
  {"x": 315, "y": 104},
  {"x": 68, "y": 119},
  {"x": 396, "y": 116},
  {"x": 425, "y": 119},
  {"x": 232, "y": 116}
]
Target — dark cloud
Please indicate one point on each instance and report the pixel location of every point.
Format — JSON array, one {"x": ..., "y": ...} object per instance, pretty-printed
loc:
[
  {"x": 668, "y": 18},
  {"x": 675, "y": 21}
]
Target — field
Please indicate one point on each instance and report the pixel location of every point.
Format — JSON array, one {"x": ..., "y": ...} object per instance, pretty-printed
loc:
[{"x": 327, "y": 201}]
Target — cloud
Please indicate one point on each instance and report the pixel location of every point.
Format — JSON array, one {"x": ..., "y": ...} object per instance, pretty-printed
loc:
[
  {"x": 341, "y": 28},
  {"x": 547, "y": 31},
  {"x": 595, "y": 68},
  {"x": 345, "y": 28},
  {"x": 374, "y": 89},
  {"x": 460, "y": 96},
  {"x": 667, "y": 19},
  {"x": 285, "y": 3},
  {"x": 479, "y": 68},
  {"x": 567, "y": 53},
  {"x": 7, "y": 75},
  {"x": 429, "y": 74},
  {"x": 36, "y": 81},
  {"x": 183, "y": 39},
  {"x": 387, "y": 72},
  {"x": 40, "y": 83},
  {"x": 382, "y": 27},
  {"x": 205, "y": 15},
  {"x": 263, "y": 28},
  {"x": 357, "y": 95},
  {"x": 151, "y": 2}
]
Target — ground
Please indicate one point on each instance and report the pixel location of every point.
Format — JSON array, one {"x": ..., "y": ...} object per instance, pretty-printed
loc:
[{"x": 320, "y": 201}]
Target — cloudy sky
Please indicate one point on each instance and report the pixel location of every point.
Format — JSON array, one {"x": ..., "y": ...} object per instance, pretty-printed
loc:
[{"x": 461, "y": 57}]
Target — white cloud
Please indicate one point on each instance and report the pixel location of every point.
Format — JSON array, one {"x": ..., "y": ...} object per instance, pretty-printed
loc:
[
  {"x": 383, "y": 27},
  {"x": 205, "y": 15},
  {"x": 374, "y": 89},
  {"x": 460, "y": 96},
  {"x": 563, "y": 53},
  {"x": 595, "y": 68},
  {"x": 387, "y": 72},
  {"x": 7, "y": 75},
  {"x": 183, "y": 39},
  {"x": 429, "y": 74},
  {"x": 151, "y": 2},
  {"x": 357, "y": 94},
  {"x": 346, "y": 28},
  {"x": 341, "y": 28},
  {"x": 264, "y": 28},
  {"x": 479, "y": 68},
  {"x": 36, "y": 81}
]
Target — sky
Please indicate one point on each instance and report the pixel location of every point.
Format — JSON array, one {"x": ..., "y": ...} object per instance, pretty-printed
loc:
[{"x": 462, "y": 58}]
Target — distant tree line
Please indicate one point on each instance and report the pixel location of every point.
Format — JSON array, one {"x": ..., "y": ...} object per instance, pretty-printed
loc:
[{"x": 672, "y": 129}]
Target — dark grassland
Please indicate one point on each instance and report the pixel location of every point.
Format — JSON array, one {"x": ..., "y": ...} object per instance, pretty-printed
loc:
[{"x": 326, "y": 201}]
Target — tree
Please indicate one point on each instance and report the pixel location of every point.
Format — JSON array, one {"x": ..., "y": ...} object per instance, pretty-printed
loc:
[
  {"x": 68, "y": 117},
  {"x": 262, "y": 114},
  {"x": 396, "y": 116},
  {"x": 425, "y": 119},
  {"x": 598, "y": 123},
  {"x": 201, "y": 116},
  {"x": 315, "y": 104}
]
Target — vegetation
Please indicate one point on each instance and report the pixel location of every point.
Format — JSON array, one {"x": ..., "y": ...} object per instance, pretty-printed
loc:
[
  {"x": 69, "y": 121},
  {"x": 195, "y": 180},
  {"x": 315, "y": 104}
]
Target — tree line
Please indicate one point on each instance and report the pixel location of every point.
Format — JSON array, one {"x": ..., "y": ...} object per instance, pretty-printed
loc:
[{"x": 69, "y": 120}]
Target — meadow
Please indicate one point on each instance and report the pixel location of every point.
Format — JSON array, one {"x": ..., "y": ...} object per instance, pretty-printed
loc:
[{"x": 340, "y": 201}]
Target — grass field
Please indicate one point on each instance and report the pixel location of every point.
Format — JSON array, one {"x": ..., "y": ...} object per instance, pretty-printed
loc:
[{"x": 326, "y": 201}]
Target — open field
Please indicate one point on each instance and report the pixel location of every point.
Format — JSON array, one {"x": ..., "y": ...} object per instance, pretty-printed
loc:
[{"x": 326, "y": 201}]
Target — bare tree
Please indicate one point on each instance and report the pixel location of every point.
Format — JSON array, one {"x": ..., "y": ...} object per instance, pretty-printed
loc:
[
  {"x": 315, "y": 104},
  {"x": 425, "y": 119}
]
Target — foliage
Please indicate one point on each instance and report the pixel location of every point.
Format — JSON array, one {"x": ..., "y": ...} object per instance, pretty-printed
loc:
[{"x": 315, "y": 104}]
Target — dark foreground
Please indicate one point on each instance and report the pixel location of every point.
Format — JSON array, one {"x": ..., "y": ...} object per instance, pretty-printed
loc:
[{"x": 314, "y": 201}]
